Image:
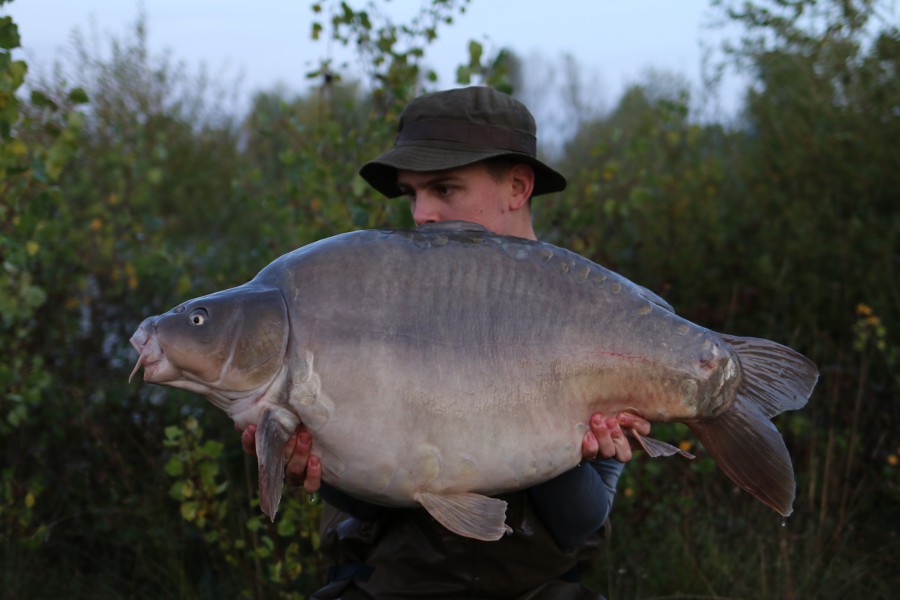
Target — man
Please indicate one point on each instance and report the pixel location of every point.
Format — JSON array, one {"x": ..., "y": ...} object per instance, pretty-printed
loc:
[{"x": 468, "y": 154}]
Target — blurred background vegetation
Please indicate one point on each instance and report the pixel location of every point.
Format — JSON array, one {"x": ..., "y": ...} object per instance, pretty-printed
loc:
[{"x": 126, "y": 187}]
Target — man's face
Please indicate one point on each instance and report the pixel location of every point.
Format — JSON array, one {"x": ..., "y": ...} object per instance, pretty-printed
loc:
[{"x": 469, "y": 193}]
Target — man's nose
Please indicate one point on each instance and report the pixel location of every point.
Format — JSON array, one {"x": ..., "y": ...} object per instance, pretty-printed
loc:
[{"x": 424, "y": 212}]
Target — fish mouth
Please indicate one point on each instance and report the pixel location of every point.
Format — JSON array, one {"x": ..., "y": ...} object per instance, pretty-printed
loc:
[
  {"x": 148, "y": 365},
  {"x": 152, "y": 358}
]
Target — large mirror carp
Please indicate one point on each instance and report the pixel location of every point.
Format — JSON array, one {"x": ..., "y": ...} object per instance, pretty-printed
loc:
[{"x": 445, "y": 364}]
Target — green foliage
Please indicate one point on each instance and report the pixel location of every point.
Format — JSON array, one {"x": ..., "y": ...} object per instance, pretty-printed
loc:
[
  {"x": 392, "y": 54},
  {"x": 783, "y": 225},
  {"x": 28, "y": 177},
  {"x": 277, "y": 559}
]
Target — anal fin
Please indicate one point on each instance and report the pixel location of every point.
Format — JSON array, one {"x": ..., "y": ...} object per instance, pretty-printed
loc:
[{"x": 468, "y": 514}]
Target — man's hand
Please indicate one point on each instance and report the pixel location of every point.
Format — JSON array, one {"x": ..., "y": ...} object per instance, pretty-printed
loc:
[
  {"x": 301, "y": 467},
  {"x": 606, "y": 438}
]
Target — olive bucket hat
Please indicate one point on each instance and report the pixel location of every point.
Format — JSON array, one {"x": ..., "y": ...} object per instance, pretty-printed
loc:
[{"x": 455, "y": 128}]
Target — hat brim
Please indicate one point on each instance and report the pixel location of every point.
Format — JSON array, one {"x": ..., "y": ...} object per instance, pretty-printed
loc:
[{"x": 381, "y": 172}]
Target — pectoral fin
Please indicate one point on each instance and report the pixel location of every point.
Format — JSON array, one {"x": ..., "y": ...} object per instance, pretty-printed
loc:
[
  {"x": 274, "y": 429},
  {"x": 468, "y": 514},
  {"x": 656, "y": 448}
]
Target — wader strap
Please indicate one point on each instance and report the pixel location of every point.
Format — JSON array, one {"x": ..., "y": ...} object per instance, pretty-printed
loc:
[
  {"x": 573, "y": 575},
  {"x": 350, "y": 572}
]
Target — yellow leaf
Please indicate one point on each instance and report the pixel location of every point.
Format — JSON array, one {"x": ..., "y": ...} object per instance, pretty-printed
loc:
[
  {"x": 17, "y": 148},
  {"x": 29, "y": 500},
  {"x": 32, "y": 248}
]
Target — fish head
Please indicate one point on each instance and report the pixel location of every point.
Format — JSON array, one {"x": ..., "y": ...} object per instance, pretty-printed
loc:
[{"x": 228, "y": 346}]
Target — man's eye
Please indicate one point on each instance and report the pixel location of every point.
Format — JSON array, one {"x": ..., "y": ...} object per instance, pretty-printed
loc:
[{"x": 443, "y": 190}]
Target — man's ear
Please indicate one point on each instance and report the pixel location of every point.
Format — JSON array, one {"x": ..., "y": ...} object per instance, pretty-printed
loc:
[{"x": 522, "y": 182}]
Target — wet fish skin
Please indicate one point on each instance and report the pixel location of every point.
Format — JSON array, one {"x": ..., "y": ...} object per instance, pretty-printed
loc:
[{"x": 441, "y": 365}]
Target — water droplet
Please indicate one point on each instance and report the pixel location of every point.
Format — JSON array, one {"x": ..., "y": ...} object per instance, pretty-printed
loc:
[
  {"x": 313, "y": 498},
  {"x": 784, "y": 522}
]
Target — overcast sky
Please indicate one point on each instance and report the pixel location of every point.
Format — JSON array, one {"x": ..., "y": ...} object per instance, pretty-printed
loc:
[{"x": 268, "y": 41}]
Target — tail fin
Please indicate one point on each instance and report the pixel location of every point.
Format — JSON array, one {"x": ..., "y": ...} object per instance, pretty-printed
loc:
[
  {"x": 742, "y": 440},
  {"x": 273, "y": 431}
]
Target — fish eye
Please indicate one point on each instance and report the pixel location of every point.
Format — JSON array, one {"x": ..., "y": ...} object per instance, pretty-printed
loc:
[{"x": 198, "y": 316}]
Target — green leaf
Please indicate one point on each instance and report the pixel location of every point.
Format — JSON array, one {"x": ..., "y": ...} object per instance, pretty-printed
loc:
[
  {"x": 174, "y": 467},
  {"x": 213, "y": 449},
  {"x": 254, "y": 523},
  {"x": 173, "y": 432},
  {"x": 286, "y": 527},
  {"x": 208, "y": 472},
  {"x": 78, "y": 96},
  {"x": 9, "y": 34},
  {"x": 475, "y": 52},
  {"x": 42, "y": 100},
  {"x": 175, "y": 490},
  {"x": 189, "y": 511},
  {"x": 17, "y": 415}
]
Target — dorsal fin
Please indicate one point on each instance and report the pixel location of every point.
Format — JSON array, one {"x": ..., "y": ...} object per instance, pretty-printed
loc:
[{"x": 655, "y": 299}]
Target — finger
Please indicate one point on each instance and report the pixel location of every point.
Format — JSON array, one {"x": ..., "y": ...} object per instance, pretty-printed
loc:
[
  {"x": 295, "y": 471},
  {"x": 313, "y": 480},
  {"x": 632, "y": 421},
  {"x": 248, "y": 440},
  {"x": 600, "y": 429},
  {"x": 589, "y": 446},
  {"x": 620, "y": 442},
  {"x": 290, "y": 447}
]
